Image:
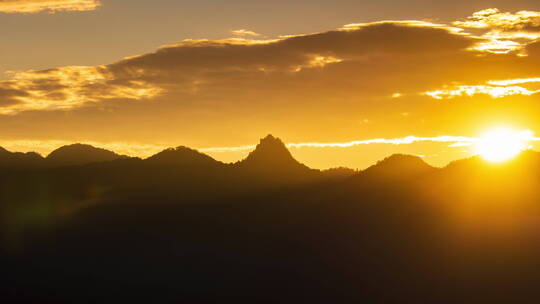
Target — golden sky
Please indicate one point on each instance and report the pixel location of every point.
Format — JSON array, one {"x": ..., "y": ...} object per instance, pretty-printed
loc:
[{"x": 346, "y": 95}]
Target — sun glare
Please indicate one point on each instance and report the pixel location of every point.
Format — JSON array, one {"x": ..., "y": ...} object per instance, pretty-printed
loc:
[{"x": 502, "y": 144}]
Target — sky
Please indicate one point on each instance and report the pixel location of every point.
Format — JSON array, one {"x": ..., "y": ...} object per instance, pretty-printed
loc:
[{"x": 343, "y": 83}]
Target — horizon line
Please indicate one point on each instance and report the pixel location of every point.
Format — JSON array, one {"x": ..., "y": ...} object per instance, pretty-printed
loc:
[{"x": 137, "y": 149}]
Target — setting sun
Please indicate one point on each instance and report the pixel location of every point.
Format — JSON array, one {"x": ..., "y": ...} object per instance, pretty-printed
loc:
[{"x": 502, "y": 144}]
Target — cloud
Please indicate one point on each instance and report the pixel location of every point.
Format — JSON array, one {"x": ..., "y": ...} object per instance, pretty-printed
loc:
[
  {"x": 463, "y": 140},
  {"x": 492, "y": 88},
  {"x": 471, "y": 90},
  {"x": 406, "y": 23},
  {"x": 8, "y": 96},
  {"x": 317, "y": 61},
  {"x": 391, "y": 141},
  {"x": 494, "y": 19},
  {"x": 497, "y": 46},
  {"x": 245, "y": 33},
  {"x": 282, "y": 54},
  {"x": 507, "y": 32},
  {"x": 514, "y": 81},
  {"x": 67, "y": 88},
  {"x": 36, "y": 6}
]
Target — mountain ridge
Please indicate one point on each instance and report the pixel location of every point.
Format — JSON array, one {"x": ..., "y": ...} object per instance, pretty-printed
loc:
[
  {"x": 183, "y": 156},
  {"x": 270, "y": 155},
  {"x": 80, "y": 154}
]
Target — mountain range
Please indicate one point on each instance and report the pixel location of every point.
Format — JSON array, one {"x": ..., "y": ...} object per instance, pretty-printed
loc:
[
  {"x": 83, "y": 224},
  {"x": 270, "y": 155}
]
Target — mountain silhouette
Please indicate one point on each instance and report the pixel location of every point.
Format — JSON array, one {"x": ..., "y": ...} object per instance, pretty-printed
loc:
[
  {"x": 272, "y": 163},
  {"x": 19, "y": 159},
  {"x": 271, "y": 151},
  {"x": 397, "y": 167},
  {"x": 183, "y": 157},
  {"x": 80, "y": 154}
]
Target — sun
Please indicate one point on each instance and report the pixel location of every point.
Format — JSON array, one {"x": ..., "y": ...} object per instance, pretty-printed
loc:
[{"x": 502, "y": 144}]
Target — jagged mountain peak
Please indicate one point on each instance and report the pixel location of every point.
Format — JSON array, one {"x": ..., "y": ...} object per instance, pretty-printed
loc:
[
  {"x": 270, "y": 139},
  {"x": 271, "y": 160},
  {"x": 270, "y": 150}
]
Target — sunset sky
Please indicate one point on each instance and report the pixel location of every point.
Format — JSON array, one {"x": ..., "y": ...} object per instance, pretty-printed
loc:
[{"x": 343, "y": 82}]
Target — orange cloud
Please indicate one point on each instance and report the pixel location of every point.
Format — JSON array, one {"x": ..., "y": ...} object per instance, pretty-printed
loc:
[{"x": 36, "y": 6}]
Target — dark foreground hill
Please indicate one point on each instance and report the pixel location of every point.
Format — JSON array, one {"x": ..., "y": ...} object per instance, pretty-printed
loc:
[
  {"x": 182, "y": 227},
  {"x": 18, "y": 159}
]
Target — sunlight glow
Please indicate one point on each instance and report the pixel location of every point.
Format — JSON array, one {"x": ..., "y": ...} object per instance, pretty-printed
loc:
[{"x": 502, "y": 144}]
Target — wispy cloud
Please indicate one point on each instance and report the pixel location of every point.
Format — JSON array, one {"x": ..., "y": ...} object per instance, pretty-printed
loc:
[
  {"x": 317, "y": 61},
  {"x": 493, "y": 88},
  {"x": 472, "y": 90},
  {"x": 407, "y": 23},
  {"x": 67, "y": 88},
  {"x": 513, "y": 81},
  {"x": 36, "y": 6},
  {"x": 245, "y": 33},
  {"x": 391, "y": 141},
  {"x": 388, "y": 141}
]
